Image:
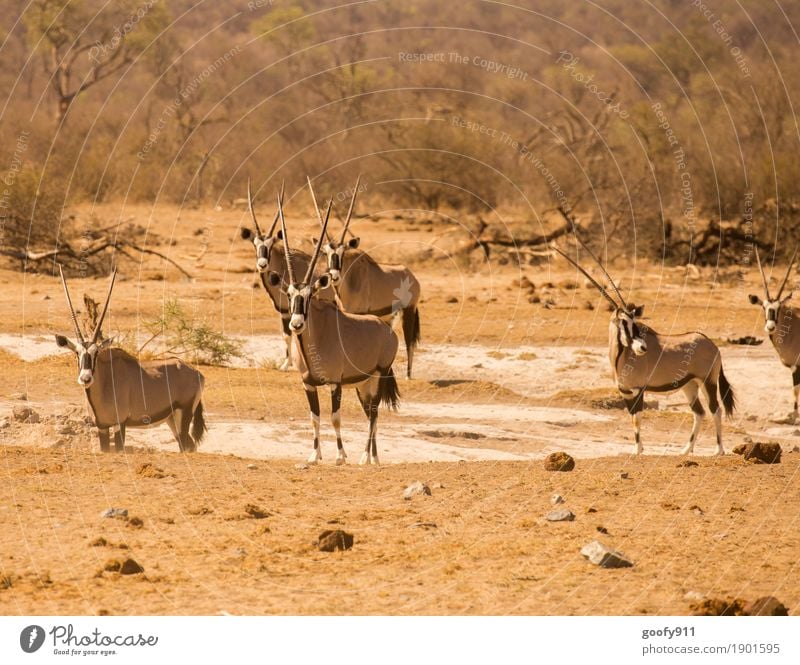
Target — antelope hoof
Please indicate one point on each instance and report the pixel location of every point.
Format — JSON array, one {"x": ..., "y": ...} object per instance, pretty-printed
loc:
[
  {"x": 365, "y": 459},
  {"x": 375, "y": 459},
  {"x": 688, "y": 449},
  {"x": 315, "y": 457},
  {"x": 720, "y": 451},
  {"x": 341, "y": 458},
  {"x": 286, "y": 365}
]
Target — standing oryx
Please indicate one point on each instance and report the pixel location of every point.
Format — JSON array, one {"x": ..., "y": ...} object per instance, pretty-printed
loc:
[
  {"x": 643, "y": 360},
  {"x": 367, "y": 287},
  {"x": 782, "y": 325},
  {"x": 333, "y": 347},
  {"x": 270, "y": 258},
  {"x": 123, "y": 392}
]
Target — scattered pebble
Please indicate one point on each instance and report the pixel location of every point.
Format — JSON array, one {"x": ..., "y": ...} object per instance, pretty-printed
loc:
[
  {"x": 687, "y": 463},
  {"x": 423, "y": 525},
  {"x": 25, "y": 414},
  {"x": 768, "y": 606},
  {"x": 556, "y": 499},
  {"x": 603, "y": 556},
  {"x": 255, "y": 512},
  {"x": 252, "y": 467},
  {"x": 301, "y": 467},
  {"x": 115, "y": 512},
  {"x": 148, "y": 470},
  {"x": 416, "y": 488},
  {"x": 562, "y": 515},
  {"x": 602, "y": 529},
  {"x": 330, "y": 541},
  {"x": 624, "y": 475}
]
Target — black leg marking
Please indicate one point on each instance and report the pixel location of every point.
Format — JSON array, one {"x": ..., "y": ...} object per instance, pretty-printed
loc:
[
  {"x": 696, "y": 406},
  {"x": 119, "y": 438},
  {"x": 105, "y": 440},
  {"x": 711, "y": 392},
  {"x": 313, "y": 405},
  {"x": 187, "y": 442},
  {"x": 336, "y": 405},
  {"x": 634, "y": 404}
]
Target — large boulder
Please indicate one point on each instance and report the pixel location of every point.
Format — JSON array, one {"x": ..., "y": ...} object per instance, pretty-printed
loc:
[
  {"x": 559, "y": 461},
  {"x": 759, "y": 452}
]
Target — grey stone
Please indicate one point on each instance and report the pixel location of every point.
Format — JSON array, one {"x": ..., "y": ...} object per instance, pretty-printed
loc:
[
  {"x": 114, "y": 512},
  {"x": 416, "y": 488},
  {"x": 562, "y": 515},
  {"x": 556, "y": 499},
  {"x": 25, "y": 414},
  {"x": 603, "y": 556}
]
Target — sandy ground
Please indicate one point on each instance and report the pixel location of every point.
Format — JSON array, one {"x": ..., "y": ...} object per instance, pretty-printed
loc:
[{"x": 499, "y": 383}]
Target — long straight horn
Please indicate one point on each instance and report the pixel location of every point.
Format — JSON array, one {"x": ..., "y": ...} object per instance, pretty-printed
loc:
[
  {"x": 251, "y": 207},
  {"x": 350, "y": 211},
  {"x": 312, "y": 264},
  {"x": 761, "y": 270},
  {"x": 102, "y": 316},
  {"x": 316, "y": 207},
  {"x": 285, "y": 243},
  {"x": 78, "y": 332},
  {"x": 786, "y": 277},
  {"x": 590, "y": 278},
  {"x": 275, "y": 218}
]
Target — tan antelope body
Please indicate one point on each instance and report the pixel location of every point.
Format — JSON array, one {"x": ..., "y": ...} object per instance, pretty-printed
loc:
[
  {"x": 643, "y": 360},
  {"x": 782, "y": 325},
  {"x": 123, "y": 392},
  {"x": 365, "y": 286},
  {"x": 270, "y": 257},
  {"x": 337, "y": 348}
]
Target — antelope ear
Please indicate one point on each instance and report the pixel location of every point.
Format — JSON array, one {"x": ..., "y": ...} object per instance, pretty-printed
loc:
[
  {"x": 313, "y": 241},
  {"x": 274, "y": 278},
  {"x": 246, "y": 233},
  {"x": 754, "y": 300},
  {"x": 105, "y": 343},
  {"x": 279, "y": 234},
  {"x": 354, "y": 243},
  {"x": 638, "y": 311},
  {"x": 323, "y": 282},
  {"x": 791, "y": 293},
  {"x": 64, "y": 343}
]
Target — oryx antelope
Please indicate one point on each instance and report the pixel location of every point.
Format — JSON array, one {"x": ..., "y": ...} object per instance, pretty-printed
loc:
[
  {"x": 270, "y": 258},
  {"x": 782, "y": 325},
  {"x": 124, "y": 392},
  {"x": 336, "y": 348},
  {"x": 643, "y": 360},
  {"x": 367, "y": 287}
]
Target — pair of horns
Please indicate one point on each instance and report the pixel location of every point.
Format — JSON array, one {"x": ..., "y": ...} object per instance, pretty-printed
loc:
[
  {"x": 349, "y": 211},
  {"x": 318, "y": 247},
  {"x": 102, "y": 316},
  {"x": 617, "y": 305},
  {"x": 251, "y": 207},
  {"x": 785, "y": 278}
]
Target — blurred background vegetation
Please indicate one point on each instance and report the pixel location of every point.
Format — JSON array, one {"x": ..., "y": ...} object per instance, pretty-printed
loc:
[{"x": 666, "y": 126}]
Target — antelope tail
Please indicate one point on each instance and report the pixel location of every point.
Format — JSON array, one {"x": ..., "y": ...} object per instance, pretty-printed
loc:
[
  {"x": 388, "y": 393},
  {"x": 726, "y": 394},
  {"x": 199, "y": 428},
  {"x": 411, "y": 327}
]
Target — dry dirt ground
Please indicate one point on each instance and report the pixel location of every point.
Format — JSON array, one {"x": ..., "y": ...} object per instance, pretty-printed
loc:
[{"x": 500, "y": 381}]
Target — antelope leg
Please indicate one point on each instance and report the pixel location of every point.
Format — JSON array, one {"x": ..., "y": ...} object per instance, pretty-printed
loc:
[
  {"x": 313, "y": 405},
  {"x": 105, "y": 439},
  {"x": 710, "y": 389},
  {"x": 691, "y": 390},
  {"x": 336, "y": 420},
  {"x": 370, "y": 404},
  {"x": 635, "y": 406},
  {"x": 795, "y": 387},
  {"x": 286, "y": 365},
  {"x": 119, "y": 438}
]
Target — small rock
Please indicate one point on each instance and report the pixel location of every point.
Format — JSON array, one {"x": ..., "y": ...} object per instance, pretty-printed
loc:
[
  {"x": 687, "y": 463},
  {"x": 559, "y": 461},
  {"x": 423, "y": 525},
  {"x": 25, "y": 414},
  {"x": 330, "y": 541},
  {"x": 591, "y": 510},
  {"x": 252, "y": 467},
  {"x": 602, "y": 529},
  {"x": 451, "y": 300},
  {"x": 556, "y": 499},
  {"x": 19, "y": 396},
  {"x": 148, "y": 470},
  {"x": 135, "y": 522},
  {"x": 717, "y": 607},
  {"x": 693, "y": 595},
  {"x": 768, "y": 606},
  {"x": 604, "y": 556},
  {"x": 416, "y": 488},
  {"x": 759, "y": 452},
  {"x": 99, "y": 542},
  {"x": 795, "y": 449},
  {"x": 115, "y": 512},
  {"x": 301, "y": 467},
  {"x": 624, "y": 475},
  {"x": 130, "y": 567},
  {"x": 788, "y": 419},
  {"x": 562, "y": 515},
  {"x": 588, "y": 305}
]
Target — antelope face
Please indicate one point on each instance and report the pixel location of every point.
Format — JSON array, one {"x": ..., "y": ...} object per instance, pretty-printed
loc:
[
  {"x": 263, "y": 245},
  {"x": 630, "y": 333},
  {"x": 299, "y": 296},
  {"x": 334, "y": 252},
  {"x": 772, "y": 310},
  {"x": 86, "y": 353}
]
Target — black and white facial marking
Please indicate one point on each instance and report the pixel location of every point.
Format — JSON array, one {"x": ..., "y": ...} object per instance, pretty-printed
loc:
[
  {"x": 334, "y": 252},
  {"x": 630, "y": 333},
  {"x": 772, "y": 310},
  {"x": 86, "y": 354},
  {"x": 263, "y": 245},
  {"x": 299, "y": 296}
]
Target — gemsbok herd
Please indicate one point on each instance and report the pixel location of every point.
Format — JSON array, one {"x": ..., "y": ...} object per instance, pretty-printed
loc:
[{"x": 337, "y": 320}]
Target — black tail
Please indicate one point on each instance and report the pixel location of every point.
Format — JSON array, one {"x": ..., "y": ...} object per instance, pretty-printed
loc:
[
  {"x": 726, "y": 394},
  {"x": 411, "y": 327},
  {"x": 199, "y": 428},
  {"x": 388, "y": 393}
]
